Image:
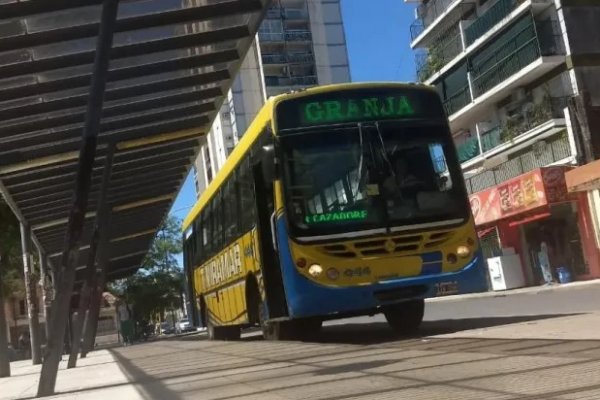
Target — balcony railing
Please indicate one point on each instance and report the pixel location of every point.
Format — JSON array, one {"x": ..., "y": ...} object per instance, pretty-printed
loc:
[
  {"x": 549, "y": 108},
  {"x": 274, "y": 59},
  {"x": 468, "y": 149},
  {"x": 458, "y": 100},
  {"x": 295, "y": 13},
  {"x": 489, "y": 19},
  {"x": 300, "y": 36},
  {"x": 303, "y": 80},
  {"x": 271, "y": 36},
  {"x": 502, "y": 68},
  {"x": 438, "y": 56},
  {"x": 291, "y": 81},
  {"x": 301, "y": 57},
  {"x": 554, "y": 150},
  {"x": 491, "y": 139},
  {"x": 427, "y": 14}
]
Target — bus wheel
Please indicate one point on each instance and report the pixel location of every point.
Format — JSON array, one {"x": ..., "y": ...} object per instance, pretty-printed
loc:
[
  {"x": 405, "y": 318},
  {"x": 221, "y": 332},
  {"x": 272, "y": 330}
]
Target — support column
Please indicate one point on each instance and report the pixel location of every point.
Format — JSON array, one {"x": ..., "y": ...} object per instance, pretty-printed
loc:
[
  {"x": 99, "y": 279},
  {"x": 83, "y": 182},
  {"x": 4, "y": 361},
  {"x": 31, "y": 295},
  {"x": 100, "y": 227},
  {"x": 44, "y": 286}
]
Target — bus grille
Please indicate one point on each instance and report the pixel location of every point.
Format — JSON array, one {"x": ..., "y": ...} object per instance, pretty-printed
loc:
[{"x": 397, "y": 245}]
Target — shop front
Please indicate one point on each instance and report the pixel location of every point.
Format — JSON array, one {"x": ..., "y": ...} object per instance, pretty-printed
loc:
[
  {"x": 584, "y": 183},
  {"x": 535, "y": 217}
]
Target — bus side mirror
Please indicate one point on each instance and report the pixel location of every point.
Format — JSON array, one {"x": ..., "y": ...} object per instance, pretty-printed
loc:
[{"x": 267, "y": 161}]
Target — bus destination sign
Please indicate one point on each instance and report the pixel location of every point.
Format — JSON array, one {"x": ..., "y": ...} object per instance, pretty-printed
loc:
[{"x": 359, "y": 105}]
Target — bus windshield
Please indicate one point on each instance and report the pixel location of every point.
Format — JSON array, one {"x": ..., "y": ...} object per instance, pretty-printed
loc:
[{"x": 370, "y": 176}]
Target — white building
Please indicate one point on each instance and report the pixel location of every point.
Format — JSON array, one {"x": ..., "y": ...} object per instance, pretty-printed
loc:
[
  {"x": 507, "y": 71},
  {"x": 301, "y": 43}
]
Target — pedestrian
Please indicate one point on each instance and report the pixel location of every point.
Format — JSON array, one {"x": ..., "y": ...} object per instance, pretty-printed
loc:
[
  {"x": 544, "y": 260},
  {"x": 24, "y": 345}
]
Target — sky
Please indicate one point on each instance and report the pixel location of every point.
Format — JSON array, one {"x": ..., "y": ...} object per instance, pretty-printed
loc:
[{"x": 378, "y": 37}]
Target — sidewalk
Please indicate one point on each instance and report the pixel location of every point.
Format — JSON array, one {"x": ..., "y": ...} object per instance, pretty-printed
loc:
[
  {"x": 97, "y": 377},
  {"x": 526, "y": 290}
]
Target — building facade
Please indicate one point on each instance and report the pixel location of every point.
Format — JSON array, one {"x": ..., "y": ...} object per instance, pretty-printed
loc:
[
  {"x": 512, "y": 75},
  {"x": 300, "y": 43}
]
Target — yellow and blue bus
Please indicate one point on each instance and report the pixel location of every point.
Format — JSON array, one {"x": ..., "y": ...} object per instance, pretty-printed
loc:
[{"x": 338, "y": 201}]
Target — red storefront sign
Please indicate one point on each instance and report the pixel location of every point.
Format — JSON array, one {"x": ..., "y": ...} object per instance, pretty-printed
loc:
[{"x": 526, "y": 192}]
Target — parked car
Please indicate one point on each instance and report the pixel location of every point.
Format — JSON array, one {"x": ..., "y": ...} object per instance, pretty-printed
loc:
[
  {"x": 184, "y": 325},
  {"x": 166, "y": 328}
]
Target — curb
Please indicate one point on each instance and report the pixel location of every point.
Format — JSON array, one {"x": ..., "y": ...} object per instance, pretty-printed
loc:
[{"x": 528, "y": 290}]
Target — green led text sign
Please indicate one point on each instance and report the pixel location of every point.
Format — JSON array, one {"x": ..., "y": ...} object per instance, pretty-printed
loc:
[
  {"x": 344, "y": 110},
  {"x": 336, "y": 217}
]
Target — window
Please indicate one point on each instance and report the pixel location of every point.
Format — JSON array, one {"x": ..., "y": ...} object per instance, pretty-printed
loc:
[
  {"x": 217, "y": 216},
  {"x": 230, "y": 200},
  {"x": 246, "y": 188}
]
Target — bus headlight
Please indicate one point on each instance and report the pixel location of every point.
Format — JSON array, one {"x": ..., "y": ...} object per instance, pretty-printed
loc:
[
  {"x": 333, "y": 274},
  {"x": 463, "y": 251},
  {"x": 315, "y": 270}
]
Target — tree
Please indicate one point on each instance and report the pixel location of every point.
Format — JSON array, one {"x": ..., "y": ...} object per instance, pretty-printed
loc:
[
  {"x": 157, "y": 286},
  {"x": 11, "y": 278}
]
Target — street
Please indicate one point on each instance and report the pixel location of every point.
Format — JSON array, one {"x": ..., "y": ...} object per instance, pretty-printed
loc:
[{"x": 520, "y": 346}]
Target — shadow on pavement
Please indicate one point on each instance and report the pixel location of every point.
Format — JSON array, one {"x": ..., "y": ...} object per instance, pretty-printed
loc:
[
  {"x": 379, "y": 332},
  {"x": 257, "y": 369}
]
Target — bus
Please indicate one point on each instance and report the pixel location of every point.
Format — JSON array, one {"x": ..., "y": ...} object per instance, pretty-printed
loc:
[{"x": 338, "y": 201}]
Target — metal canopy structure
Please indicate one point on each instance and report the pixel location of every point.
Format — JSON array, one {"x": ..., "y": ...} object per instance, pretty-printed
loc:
[{"x": 171, "y": 65}]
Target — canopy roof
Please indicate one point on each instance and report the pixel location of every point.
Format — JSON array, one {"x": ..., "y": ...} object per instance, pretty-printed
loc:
[{"x": 171, "y": 65}]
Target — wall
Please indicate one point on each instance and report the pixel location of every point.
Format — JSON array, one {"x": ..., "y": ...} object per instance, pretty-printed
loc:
[
  {"x": 589, "y": 243},
  {"x": 511, "y": 237},
  {"x": 329, "y": 41}
]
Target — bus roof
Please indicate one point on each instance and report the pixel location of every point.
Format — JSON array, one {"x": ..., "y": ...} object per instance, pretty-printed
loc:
[{"x": 263, "y": 118}]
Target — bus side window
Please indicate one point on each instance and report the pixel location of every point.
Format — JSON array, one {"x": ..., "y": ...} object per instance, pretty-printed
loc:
[
  {"x": 230, "y": 210},
  {"x": 217, "y": 215},
  {"x": 198, "y": 256},
  {"x": 246, "y": 195},
  {"x": 207, "y": 232}
]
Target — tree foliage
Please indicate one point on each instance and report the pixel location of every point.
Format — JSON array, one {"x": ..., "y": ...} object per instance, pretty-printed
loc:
[
  {"x": 158, "y": 284},
  {"x": 11, "y": 272}
]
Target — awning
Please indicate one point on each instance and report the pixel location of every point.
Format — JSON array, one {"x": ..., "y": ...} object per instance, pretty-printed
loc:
[
  {"x": 584, "y": 178},
  {"x": 527, "y": 192}
]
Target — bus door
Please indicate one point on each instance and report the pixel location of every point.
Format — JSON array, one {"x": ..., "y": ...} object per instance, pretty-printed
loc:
[{"x": 270, "y": 266}]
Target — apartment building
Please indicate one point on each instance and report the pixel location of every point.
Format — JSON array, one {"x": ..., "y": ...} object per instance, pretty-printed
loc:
[
  {"x": 301, "y": 43},
  {"x": 516, "y": 78}
]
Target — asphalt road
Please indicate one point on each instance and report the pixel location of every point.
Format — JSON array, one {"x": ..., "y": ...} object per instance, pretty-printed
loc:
[{"x": 482, "y": 348}]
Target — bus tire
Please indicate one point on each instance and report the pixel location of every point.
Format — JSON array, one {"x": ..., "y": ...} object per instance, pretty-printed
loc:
[
  {"x": 252, "y": 301},
  {"x": 405, "y": 318}
]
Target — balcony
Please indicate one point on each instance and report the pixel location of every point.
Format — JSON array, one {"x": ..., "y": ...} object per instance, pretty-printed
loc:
[
  {"x": 489, "y": 19},
  {"x": 556, "y": 149},
  {"x": 303, "y": 81},
  {"x": 274, "y": 59},
  {"x": 536, "y": 121},
  {"x": 458, "y": 100},
  {"x": 298, "y": 36},
  {"x": 435, "y": 16},
  {"x": 491, "y": 139},
  {"x": 438, "y": 56},
  {"x": 301, "y": 58},
  {"x": 468, "y": 149},
  {"x": 271, "y": 37},
  {"x": 515, "y": 64},
  {"x": 295, "y": 13}
]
